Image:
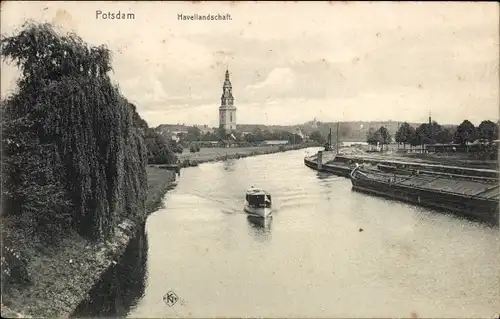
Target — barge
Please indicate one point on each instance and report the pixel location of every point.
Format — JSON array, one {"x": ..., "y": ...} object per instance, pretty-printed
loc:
[
  {"x": 342, "y": 165},
  {"x": 422, "y": 166},
  {"x": 340, "y": 169},
  {"x": 470, "y": 198}
]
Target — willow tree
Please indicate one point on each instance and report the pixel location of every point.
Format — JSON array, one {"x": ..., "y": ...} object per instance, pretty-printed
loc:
[{"x": 73, "y": 154}]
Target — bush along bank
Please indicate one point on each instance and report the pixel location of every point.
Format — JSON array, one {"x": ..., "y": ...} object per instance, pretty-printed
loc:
[
  {"x": 255, "y": 152},
  {"x": 74, "y": 184}
]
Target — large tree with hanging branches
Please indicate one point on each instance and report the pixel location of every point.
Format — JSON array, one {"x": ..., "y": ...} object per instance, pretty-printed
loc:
[{"x": 72, "y": 155}]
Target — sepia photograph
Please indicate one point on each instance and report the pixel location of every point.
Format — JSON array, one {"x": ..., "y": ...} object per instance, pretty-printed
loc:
[{"x": 237, "y": 159}]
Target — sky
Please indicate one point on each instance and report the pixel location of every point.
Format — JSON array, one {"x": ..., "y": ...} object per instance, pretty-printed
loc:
[{"x": 290, "y": 62}]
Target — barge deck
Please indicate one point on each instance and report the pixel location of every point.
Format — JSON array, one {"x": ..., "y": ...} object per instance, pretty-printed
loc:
[{"x": 475, "y": 199}]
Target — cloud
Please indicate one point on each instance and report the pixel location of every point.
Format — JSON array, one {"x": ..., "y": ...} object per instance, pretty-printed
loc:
[
  {"x": 292, "y": 61},
  {"x": 279, "y": 80}
]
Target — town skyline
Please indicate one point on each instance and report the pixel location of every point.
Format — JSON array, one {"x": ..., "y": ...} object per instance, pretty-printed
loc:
[{"x": 339, "y": 62}]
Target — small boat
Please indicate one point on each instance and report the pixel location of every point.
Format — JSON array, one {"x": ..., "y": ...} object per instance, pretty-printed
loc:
[{"x": 258, "y": 202}]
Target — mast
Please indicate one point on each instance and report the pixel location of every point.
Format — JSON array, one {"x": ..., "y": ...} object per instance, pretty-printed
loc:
[{"x": 338, "y": 124}]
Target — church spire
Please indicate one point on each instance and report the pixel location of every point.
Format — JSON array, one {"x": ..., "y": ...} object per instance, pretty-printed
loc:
[
  {"x": 227, "y": 110},
  {"x": 227, "y": 94}
]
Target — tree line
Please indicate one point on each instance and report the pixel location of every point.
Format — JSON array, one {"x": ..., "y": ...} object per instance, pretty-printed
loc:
[
  {"x": 194, "y": 134},
  {"x": 434, "y": 133}
]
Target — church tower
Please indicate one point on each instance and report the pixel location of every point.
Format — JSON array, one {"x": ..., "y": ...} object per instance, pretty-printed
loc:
[{"x": 227, "y": 110}]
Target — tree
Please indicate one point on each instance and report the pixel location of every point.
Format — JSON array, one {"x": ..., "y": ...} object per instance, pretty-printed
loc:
[
  {"x": 429, "y": 133},
  {"x": 413, "y": 138},
  {"x": 374, "y": 137},
  {"x": 466, "y": 133},
  {"x": 385, "y": 135},
  {"x": 444, "y": 136},
  {"x": 267, "y": 135},
  {"x": 370, "y": 136},
  {"x": 193, "y": 148},
  {"x": 404, "y": 134},
  {"x": 258, "y": 135},
  {"x": 221, "y": 133},
  {"x": 160, "y": 149},
  {"x": 193, "y": 134},
  {"x": 249, "y": 138},
  {"x": 294, "y": 139},
  {"x": 422, "y": 134},
  {"x": 75, "y": 155},
  {"x": 317, "y": 137},
  {"x": 487, "y": 130},
  {"x": 174, "y": 146}
]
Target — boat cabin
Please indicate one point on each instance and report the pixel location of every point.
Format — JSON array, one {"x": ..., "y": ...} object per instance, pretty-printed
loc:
[{"x": 258, "y": 198}]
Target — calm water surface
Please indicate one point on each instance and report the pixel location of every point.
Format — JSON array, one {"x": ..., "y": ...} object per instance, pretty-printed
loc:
[{"x": 310, "y": 259}]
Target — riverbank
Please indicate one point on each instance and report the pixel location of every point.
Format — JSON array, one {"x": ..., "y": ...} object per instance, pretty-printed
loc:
[
  {"x": 206, "y": 155},
  {"x": 76, "y": 260}
]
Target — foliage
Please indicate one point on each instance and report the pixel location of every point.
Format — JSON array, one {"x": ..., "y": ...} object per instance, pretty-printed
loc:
[
  {"x": 466, "y": 133},
  {"x": 444, "y": 136},
  {"x": 385, "y": 135},
  {"x": 221, "y": 133},
  {"x": 194, "y": 147},
  {"x": 317, "y": 137},
  {"x": 405, "y": 134},
  {"x": 374, "y": 137},
  {"x": 193, "y": 134},
  {"x": 72, "y": 151},
  {"x": 295, "y": 139},
  {"x": 161, "y": 150},
  {"x": 487, "y": 130},
  {"x": 249, "y": 138}
]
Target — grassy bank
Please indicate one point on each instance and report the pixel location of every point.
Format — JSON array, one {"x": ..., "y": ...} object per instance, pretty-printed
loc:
[
  {"x": 62, "y": 275},
  {"x": 221, "y": 154}
]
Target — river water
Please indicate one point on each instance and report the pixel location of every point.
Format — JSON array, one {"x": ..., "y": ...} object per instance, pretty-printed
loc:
[{"x": 326, "y": 252}]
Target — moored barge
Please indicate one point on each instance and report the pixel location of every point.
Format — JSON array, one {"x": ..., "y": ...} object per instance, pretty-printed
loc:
[
  {"x": 471, "y": 198},
  {"x": 319, "y": 163}
]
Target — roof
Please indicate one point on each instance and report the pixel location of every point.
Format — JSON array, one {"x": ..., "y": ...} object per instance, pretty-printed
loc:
[{"x": 256, "y": 191}]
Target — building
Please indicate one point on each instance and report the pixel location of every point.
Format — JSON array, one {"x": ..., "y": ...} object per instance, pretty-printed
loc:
[{"x": 227, "y": 110}]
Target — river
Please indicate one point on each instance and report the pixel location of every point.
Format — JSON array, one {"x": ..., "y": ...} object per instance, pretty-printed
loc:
[{"x": 326, "y": 252}]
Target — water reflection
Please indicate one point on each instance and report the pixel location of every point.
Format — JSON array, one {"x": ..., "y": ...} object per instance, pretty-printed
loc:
[
  {"x": 121, "y": 286},
  {"x": 229, "y": 165},
  {"x": 323, "y": 175},
  {"x": 260, "y": 227}
]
